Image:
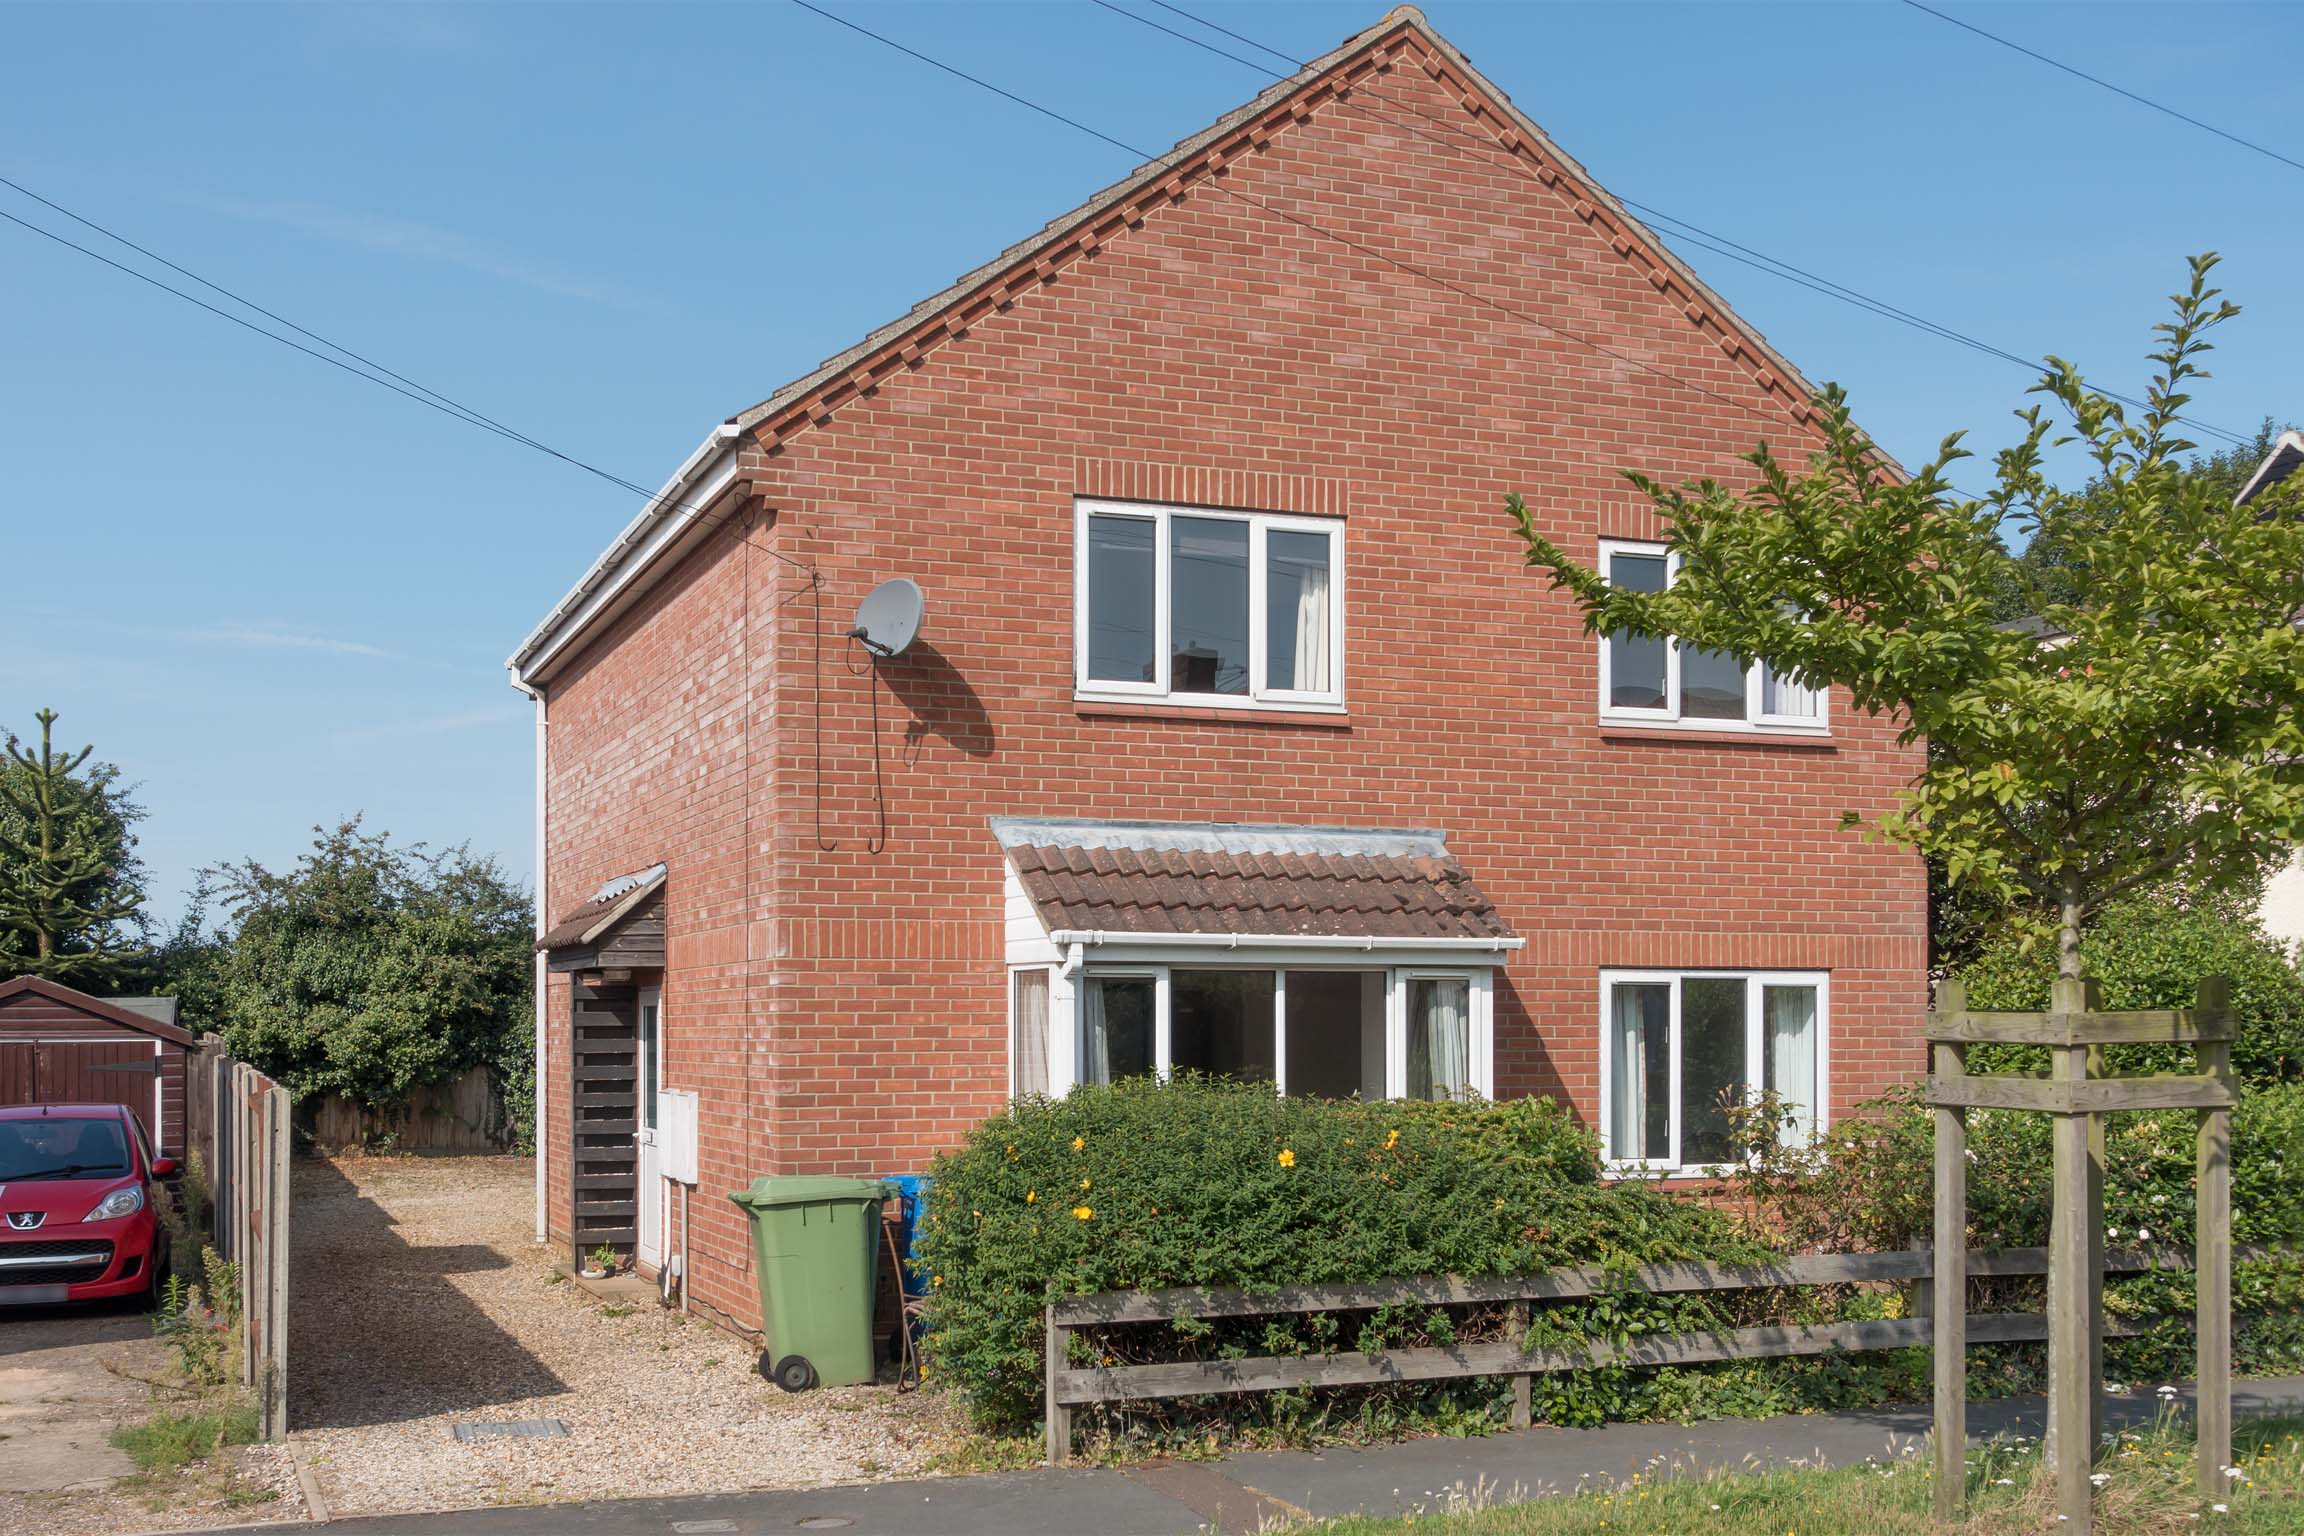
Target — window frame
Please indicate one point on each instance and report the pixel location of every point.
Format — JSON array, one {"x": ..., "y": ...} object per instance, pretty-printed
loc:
[
  {"x": 1755, "y": 721},
  {"x": 1756, "y": 983},
  {"x": 1260, "y": 694},
  {"x": 1481, "y": 1058}
]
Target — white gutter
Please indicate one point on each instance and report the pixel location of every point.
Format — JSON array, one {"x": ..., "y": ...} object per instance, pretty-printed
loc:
[
  {"x": 667, "y": 515},
  {"x": 1367, "y": 942}
]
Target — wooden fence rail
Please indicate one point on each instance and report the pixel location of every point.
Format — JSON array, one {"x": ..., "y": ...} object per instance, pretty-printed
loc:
[{"x": 1068, "y": 1387}]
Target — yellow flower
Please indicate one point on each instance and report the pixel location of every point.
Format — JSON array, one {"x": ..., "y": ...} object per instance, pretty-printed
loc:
[
  {"x": 1030, "y": 1196},
  {"x": 1084, "y": 1183},
  {"x": 1391, "y": 1139},
  {"x": 936, "y": 1280},
  {"x": 1287, "y": 1158},
  {"x": 1082, "y": 1212},
  {"x": 1079, "y": 1142}
]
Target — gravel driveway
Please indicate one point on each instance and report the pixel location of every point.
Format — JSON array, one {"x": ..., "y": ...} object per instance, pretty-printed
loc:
[{"x": 421, "y": 1300}]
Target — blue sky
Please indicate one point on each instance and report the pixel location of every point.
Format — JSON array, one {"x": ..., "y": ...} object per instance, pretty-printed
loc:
[{"x": 276, "y": 595}]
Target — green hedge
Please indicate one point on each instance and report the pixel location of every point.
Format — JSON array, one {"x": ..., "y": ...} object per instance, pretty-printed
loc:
[{"x": 1213, "y": 1183}]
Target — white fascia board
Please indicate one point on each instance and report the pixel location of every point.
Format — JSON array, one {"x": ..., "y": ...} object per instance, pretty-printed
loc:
[{"x": 670, "y": 514}]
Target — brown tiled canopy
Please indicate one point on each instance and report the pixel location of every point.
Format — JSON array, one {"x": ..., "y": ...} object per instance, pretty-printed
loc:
[
  {"x": 1220, "y": 878},
  {"x": 610, "y": 905}
]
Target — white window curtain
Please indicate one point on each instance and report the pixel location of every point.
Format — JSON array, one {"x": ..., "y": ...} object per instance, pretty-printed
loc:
[
  {"x": 1095, "y": 1048},
  {"x": 1439, "y": 1038},
  {"x": 1790, "y": 1018},
  {"x": 1312, "y": 630},
  {"x": 1784, "y": 698},
  {"x": 1030, "y": 1046}
]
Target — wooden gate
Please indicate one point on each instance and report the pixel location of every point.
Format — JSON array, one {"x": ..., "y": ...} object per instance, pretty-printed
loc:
[{"x": 604, "y": 1109}]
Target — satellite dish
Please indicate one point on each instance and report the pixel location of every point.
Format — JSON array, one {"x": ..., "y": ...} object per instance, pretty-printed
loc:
[{"x": 889, "y": 617}]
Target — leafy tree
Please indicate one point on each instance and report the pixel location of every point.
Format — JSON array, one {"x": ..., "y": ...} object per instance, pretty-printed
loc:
[
  {"x": 2156, "y": 742},
  {"x": 2054, "y": 567},
  {"x": 71, "y": 886},
  {"x": 370, "y": 969}
]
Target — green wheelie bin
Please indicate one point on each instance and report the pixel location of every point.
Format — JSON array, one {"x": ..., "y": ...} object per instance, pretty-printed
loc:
[{"x": 816, "y": 1241}]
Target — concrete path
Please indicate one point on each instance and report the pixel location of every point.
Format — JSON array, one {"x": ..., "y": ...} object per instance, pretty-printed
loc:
[
  {"x": 1242, "y": 1493},
  {"x": 58, "y": 1402}
]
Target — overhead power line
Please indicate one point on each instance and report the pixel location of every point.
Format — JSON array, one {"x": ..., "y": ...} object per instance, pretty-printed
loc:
[
  {"x": 1310, "y": 226},
  {"x": 1686, "y": 232},
  {"x": 2117, "y": 90},
  {"x": 360, "y": 367}
]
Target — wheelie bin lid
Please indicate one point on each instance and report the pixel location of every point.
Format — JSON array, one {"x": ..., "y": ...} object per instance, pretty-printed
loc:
[{"x": 769, "y": 1192}]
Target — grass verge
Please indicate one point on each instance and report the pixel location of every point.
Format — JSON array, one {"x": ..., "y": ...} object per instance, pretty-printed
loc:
[
  {"x": 2146, "y": 1491},
  {"x": 169, "y": 1441}
]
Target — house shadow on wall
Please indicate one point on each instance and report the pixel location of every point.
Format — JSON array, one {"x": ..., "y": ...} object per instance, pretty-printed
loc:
[
  {"x": 942, "y": 702},
  {"x": 377, "y": 1333}
]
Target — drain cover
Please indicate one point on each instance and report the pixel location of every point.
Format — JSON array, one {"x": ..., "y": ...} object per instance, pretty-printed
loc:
[
  {"x": 824, "y": 1522},
  {"x": 532, "y": 1429}
]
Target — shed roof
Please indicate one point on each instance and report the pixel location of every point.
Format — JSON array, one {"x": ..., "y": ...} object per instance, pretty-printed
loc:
[
  {"x": 154, "y": 1016},
  {"x": 1222, "y": 878},
  {"x": 615, "y": 901}
]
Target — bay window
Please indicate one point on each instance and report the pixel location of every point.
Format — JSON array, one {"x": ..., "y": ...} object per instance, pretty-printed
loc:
[
  {"x": 1315, "y": 1031},
  {"x": 1650, "y": 679},
  {"x": 1208, "y": 607},
  {"x": 1679, "y": 1049}
]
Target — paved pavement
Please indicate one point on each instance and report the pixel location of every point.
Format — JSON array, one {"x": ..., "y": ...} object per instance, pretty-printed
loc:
[
  {"x": 58, "y": 1401},
  {"x": 1241, "y": 1493}
]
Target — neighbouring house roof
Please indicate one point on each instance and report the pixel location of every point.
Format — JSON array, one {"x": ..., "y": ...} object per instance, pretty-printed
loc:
[
  {"x": 155, "y": 1016},
  {"x": 615, "y": 901},
  {"x": 677, "y": 512},
  {"x": 2286, "y": 457},
  {"x": 1218, "y": 878}
]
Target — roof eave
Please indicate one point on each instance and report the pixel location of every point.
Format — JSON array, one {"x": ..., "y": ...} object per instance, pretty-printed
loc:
[{"x": 702, "y": 478}]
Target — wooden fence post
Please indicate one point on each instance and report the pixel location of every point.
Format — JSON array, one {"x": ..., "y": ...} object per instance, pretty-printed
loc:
[
  {"x": 2212, "y": 1258},
  {"x": 2071, "y": 1320},
  {"x": 1948, "y": 1335},
  {"x": 1523, "y": 1385},
  {"x": 1059, "y": 1417}
]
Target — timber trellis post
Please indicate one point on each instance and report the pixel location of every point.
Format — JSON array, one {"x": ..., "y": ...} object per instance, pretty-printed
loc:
[{"x": 2078, "y": 1092}]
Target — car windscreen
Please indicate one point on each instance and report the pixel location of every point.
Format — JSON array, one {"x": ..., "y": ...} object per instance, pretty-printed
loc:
[{"x": 62, "y": 1147}]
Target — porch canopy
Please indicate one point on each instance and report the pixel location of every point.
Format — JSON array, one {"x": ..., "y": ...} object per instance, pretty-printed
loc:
[
  {"x": 1328, "y": 960},
  {"x": 620, "y": 927}
]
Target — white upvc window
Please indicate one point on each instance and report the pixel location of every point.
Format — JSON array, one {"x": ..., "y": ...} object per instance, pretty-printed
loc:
[
  {"x": 1324, "y": 1031},
  {"x": 1651, "y": 680},
  {"x": 1191, "y": 605},
  {"x": 1029, "y": 996},
  {"x": 1678, "y": 1048}
]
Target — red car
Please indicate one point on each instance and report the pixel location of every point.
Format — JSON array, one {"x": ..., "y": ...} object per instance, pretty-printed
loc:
[{"x": 78, "y": 1196}]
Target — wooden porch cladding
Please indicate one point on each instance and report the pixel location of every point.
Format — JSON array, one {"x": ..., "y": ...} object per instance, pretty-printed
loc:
[
  {"x": 634, "y": 943},
  {"x": 604, "y": 1111}
]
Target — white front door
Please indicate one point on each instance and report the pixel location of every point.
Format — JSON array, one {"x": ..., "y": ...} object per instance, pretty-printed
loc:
[{"x": 649, "y": 1066}]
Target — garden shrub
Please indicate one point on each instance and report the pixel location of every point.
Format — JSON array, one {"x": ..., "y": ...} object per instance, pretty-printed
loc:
[
  {"x": 2150, "y": 952},
  {"x": 1202, "y": 1182}
]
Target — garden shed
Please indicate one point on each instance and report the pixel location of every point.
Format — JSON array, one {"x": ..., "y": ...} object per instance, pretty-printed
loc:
[{"x": 61, "y": 1046}]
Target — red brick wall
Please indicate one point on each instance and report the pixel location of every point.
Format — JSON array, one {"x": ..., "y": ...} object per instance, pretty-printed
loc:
[{"x": 1219, "y": 354}]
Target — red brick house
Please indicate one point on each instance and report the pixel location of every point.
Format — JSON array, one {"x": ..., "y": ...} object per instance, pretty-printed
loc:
[{"x": 1237, "y": 736}]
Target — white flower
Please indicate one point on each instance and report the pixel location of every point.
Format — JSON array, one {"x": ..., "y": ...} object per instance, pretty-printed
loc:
[
  {"x": 2108, "y": 1232},
  {"x": 2143, "y": 1234},
  {"x": 2114, "y": 1386},
  {"x": 2222, "y": 1509},
  {"x": 2159, "y": 1199},
  {"x": 2099, "y": 1478},
  {"x": 2005, "y": 1482}
]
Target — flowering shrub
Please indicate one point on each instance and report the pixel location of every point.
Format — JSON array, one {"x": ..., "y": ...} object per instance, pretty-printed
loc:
[{"x": 1202, "y": 1182}]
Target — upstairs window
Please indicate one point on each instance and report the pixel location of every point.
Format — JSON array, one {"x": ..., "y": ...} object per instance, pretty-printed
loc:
[
  {"x": 1227, "y": 608},
  {"x": 1658, "y": 681}
]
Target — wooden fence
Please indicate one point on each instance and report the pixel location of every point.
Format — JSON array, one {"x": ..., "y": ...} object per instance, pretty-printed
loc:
[
  {"x": 463, "y": 1114},
  {"x": 1068, "y": 1387},
  {"x": 238, "y": 1124}
]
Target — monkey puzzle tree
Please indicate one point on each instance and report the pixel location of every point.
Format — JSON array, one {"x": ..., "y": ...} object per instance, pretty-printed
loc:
[
  {"x": 2152, "y": 735},
  {"x": 71, "y": 890}
]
